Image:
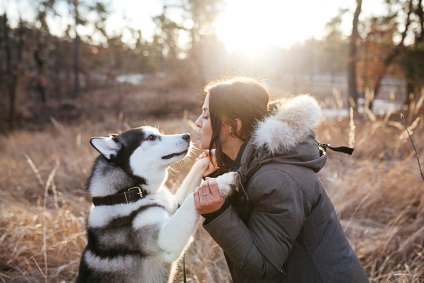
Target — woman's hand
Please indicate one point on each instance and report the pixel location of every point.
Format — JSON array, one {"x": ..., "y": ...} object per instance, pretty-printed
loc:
[
  {"x": 207, "y": 198},
  {"x": 211, "y": 168}
]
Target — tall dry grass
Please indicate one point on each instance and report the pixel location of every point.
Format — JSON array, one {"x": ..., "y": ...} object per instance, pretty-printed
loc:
[{"x": 378, "y": 194}]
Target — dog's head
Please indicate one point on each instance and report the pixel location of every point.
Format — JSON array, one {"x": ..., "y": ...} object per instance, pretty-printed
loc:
[{"x": 143, "y": 150}]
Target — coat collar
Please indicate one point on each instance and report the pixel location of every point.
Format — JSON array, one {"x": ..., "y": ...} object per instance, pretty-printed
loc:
[{"x": 289, "y": 125}]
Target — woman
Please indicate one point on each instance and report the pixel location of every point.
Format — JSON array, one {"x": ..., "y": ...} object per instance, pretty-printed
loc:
[{"x": 280, "y": 226}]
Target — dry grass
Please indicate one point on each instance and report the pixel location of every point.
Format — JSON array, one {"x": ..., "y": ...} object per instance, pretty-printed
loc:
[{"x": 378, "y": 194}]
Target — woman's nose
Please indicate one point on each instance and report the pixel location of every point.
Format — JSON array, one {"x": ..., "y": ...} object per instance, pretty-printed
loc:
[{"x": 197, "y": 123}]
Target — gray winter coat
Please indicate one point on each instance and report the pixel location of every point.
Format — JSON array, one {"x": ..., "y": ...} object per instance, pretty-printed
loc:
[{"x": 282, "y": 226}]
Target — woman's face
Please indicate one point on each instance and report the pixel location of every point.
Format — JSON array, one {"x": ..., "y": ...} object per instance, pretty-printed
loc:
[{"x": 204, "y": 126}]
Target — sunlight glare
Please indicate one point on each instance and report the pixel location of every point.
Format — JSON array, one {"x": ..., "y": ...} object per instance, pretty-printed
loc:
[{"x": 252, "y": 26}]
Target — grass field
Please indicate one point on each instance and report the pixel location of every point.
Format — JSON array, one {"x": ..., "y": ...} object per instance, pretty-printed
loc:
[{"x": 378, "y": 192}]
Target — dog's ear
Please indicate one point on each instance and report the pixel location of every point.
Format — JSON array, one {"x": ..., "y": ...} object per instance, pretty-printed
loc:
[{"x": 107, "y": 146}]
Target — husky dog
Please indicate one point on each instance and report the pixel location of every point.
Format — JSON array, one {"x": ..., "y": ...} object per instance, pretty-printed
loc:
[{"x": 137, "y": 229}]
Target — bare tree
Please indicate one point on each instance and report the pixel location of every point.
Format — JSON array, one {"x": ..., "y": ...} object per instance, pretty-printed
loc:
[
  {"x": 353, "y": 58},
  {"x": 75, "y": 49},
  {"x": 333, "y": 47},
  {"x": 203, "y": 15},
  {"x": 12, "y": 66},
  {"x": 395, "y": 52},
  {"x": 413, "y": 58}
]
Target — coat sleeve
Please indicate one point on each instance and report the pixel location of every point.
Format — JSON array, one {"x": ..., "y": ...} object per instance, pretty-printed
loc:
[{"x": 278, "y": 212}]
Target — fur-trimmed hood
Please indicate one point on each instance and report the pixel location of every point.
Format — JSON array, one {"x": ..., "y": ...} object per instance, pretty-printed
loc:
[
  {"x": 289, "y": 125},
  {"x": 285, "y": 136}
]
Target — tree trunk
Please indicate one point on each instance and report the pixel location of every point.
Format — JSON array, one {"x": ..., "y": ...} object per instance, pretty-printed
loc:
[
  {"x": 39, "y": 62},
  {"x": 57, "y": 71},
  {"x": 352, "y": 59},
  {"x": 410, "y": 96},
  {"x": 197, "y": 57},
  {"x": 11, "y": 71},
  {"x": 392, "y": 56},
  {"x": 75, "y": 53},
  {"x": 420, "y": 13}
]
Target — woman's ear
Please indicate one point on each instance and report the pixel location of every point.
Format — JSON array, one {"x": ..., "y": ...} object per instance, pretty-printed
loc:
[
  {"x": 239, "y": 126},
  {"x": 231, "y": 128}
]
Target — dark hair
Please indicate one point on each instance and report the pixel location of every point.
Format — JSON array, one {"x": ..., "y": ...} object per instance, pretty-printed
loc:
[{"x": 230, "y": 99}]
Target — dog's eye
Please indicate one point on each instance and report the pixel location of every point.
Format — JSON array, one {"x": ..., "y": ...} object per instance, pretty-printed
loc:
[{"x": 151, "y": 138}]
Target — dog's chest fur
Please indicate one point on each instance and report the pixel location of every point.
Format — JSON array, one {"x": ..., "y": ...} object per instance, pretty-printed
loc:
[{"x": 114, "y": 247}]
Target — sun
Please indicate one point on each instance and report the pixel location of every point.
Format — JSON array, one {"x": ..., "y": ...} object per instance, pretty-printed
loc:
[
  {"x": 241, "y": 30},
  {"x": 252, "y": 26}
]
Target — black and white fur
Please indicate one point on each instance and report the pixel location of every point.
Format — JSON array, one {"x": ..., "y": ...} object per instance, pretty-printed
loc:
[{"x": 141, "y": 241}]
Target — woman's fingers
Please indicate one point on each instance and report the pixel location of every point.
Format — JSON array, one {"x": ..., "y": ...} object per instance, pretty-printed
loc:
[
  {"x": 204, "y": 154},
  {"x": 213, "y": 186},
  {"x": 207, "y": 198}
]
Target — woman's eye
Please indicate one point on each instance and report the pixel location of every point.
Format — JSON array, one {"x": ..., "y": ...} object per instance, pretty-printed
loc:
[
  {"x": 205, "y": 117},
  {"x": 151, "y": 138}
]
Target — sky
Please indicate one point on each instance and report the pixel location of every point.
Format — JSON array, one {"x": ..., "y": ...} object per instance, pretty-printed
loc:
[
  {"x": 256, "y": 24},
  {"x": 248, "y": 25}
]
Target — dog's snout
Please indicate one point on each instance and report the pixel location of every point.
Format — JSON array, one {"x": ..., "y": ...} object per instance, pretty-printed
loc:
[{"x": 186, "y": 137}]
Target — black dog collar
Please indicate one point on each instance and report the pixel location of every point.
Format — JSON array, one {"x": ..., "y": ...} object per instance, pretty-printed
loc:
[{"x": 131, "y": 195}]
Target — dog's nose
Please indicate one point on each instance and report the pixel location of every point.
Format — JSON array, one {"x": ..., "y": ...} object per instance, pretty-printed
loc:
[{"x": 186, "y": 137}]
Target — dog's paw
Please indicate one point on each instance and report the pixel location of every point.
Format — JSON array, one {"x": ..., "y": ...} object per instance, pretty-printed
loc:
[
  {"x": 201, "y": 164},
  {"x": 228, "y": 183}
]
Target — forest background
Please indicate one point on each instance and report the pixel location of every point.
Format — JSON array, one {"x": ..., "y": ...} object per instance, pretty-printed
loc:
[{"x": 59, "y": 90}]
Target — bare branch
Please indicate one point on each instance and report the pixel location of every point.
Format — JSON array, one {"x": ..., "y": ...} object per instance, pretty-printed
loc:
[{"x": 418, "y": 158}]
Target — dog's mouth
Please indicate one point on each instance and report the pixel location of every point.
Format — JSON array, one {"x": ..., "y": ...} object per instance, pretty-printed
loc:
[{"x": 169, "y": 156}]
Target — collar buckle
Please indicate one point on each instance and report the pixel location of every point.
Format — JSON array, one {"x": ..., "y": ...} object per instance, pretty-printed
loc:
[{"x": 140, "y": 192}]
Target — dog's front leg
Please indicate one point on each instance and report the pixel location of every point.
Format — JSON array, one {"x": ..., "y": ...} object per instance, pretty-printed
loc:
[
  {"x": 176, "y": 234},
  {"x": 192, "y": 180},
  {"x": 228, "y": 183}
]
